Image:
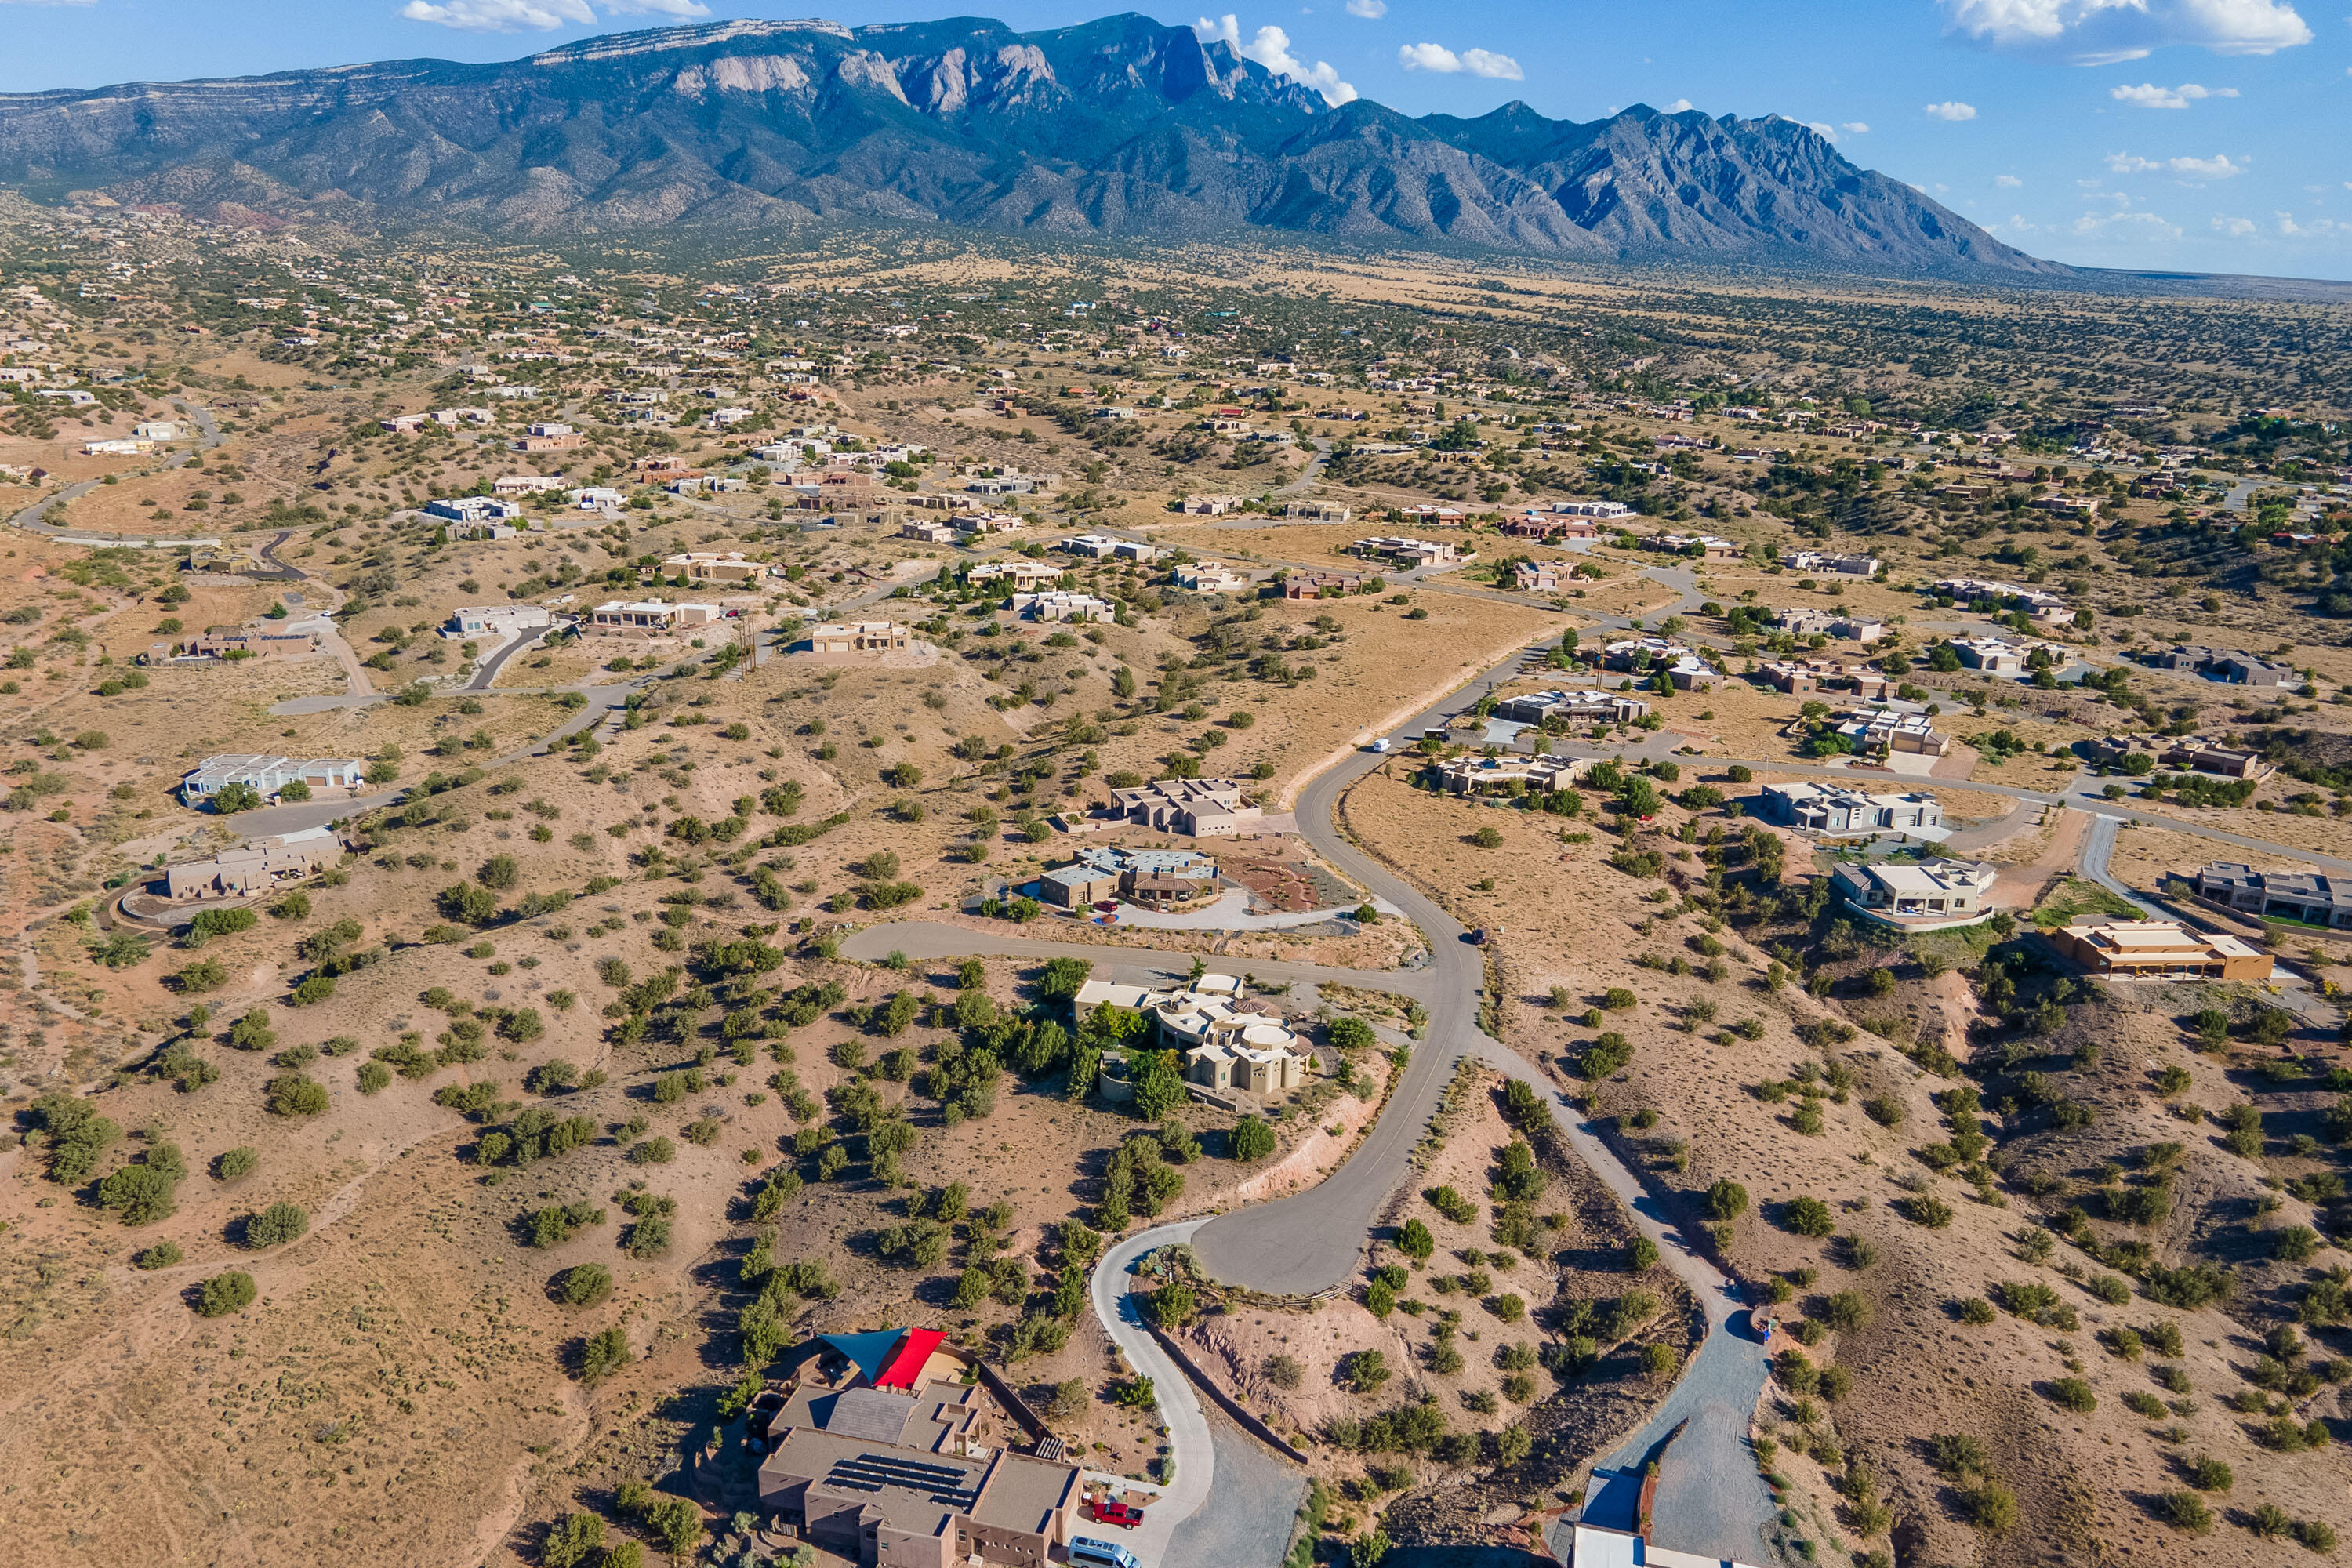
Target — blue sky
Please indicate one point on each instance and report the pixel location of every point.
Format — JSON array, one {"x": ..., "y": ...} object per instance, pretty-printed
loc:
[{"x": 2206, "y": 134}]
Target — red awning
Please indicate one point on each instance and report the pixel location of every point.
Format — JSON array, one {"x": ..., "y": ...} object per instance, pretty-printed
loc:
[{"x": 908, "y": 1364}]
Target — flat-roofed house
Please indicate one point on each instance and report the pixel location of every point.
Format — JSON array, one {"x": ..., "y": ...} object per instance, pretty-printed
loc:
[
  {"x": 1896, "y": 730},
  {"x": 2303, "y": 896},
  {"x": 1024, "y": 576},
  {"x": 858, "y": 637},
  {"x": 727, "y": 569},
  {"x": 1321, "y": 585},
  {"x": 242, "y": 642},
  {"x": 886, "y": 1450},
  {"x": 1533, "y": 775},
  {"x": 1571, "y": 707},
  {"x": 495, "y": 620},
  {"x": 255, "y": 866},
  {"x": 649, "y": 618},
  {"x": 2157, "y": 950},
  {"x": 1926, "y": 896},
  {"x": 268, "y": 774},
  {"x": 1834, "y": 809},
  {"x": 472, "y": 509},
  {"x": 1199, "y": 808},
  {"x": 1056, "y": 604}
]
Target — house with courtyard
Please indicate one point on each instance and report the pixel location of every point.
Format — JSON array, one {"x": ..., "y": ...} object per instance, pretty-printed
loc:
[
  {"x": 893, "y": 1450},
  {"x": 1835, "y": 810},
  {"x": 2157, "y": 949},
  {"x": 255, "y": 866},
  {"x": 2305, "y": 896},
  {"x": 1927, "y": 894},
  {"x": 1199, "y": 808},
  {"x": 1227, "y": 1043}
]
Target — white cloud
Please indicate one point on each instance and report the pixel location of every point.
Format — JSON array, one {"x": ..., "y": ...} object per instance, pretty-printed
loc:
[
  {"x": 2317, "y": 225},
  {"x": 2217, "y": 167},
  {"x": 1826, "y": 133},
  {"x": 2148, "y": 95},
  {"x": 1446, "y": 62},
  {"x": 2101, "y": 32},
  {"x": 683, "y": 9},
  {"x": 2007, "y": 182},
  {"x": 1370, "y": 10},
  {"x": 2234, "y": 227},
  {"x": 1679, "y": 105},
  {"x": 1857, "y": 128},
  {"x": 1954, "y": 109},
  {"x": 48, "y": 2},
  {"x": 501, "y": 16},
  {"x": 1271, "y": 48},
  {"x": 2124, "y": 226}
]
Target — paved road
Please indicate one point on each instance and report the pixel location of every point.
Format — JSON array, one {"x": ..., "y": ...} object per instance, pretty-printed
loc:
[
  {"x": 2098, "y": 844},
  {"x": 1257, "y": 1490},
  {"x": 33, "y": 518},
  {"x": 488, "y": 673}
]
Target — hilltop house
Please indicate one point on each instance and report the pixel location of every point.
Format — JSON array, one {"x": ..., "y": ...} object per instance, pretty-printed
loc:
[
  {"x": 1199, "y": 808},
  {"x": 1837, "y": 809},
  {"x": 1227, "y": 1045},
  {"x": 268, "y": 774},
  {"x": 255, "y": 866},
  {"x": 1929, "y": 895},
  {"x": 893, "y": 1447}
]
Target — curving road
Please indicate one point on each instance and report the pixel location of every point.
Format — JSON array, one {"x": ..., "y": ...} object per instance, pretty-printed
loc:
[
  {"x": 33, "y": 518},
  {"x": 1711, "y": 1499}
]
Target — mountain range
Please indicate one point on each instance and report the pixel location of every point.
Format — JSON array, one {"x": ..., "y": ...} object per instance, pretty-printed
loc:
[{"x": 1121, "y": 126}]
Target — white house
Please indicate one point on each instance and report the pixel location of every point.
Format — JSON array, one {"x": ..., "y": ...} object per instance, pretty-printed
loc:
[
  {"x": 472, "y": 509},
  {"x": 499, "y": 621}
]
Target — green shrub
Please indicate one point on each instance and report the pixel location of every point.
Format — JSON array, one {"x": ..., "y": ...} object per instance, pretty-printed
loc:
[
  {"x": 279, "y": 1222},
  {"x": 225, "y": 1293},
  {"x": 583, "y": 1285}
]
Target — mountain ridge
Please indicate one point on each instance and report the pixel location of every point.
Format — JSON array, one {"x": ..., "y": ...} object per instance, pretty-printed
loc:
[{"x": 1122, "y": 127}]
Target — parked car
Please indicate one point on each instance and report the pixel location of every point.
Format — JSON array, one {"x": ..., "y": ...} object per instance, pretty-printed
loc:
[
  {"x": 1382, "y": 744},
  {"x": 1125, "y": 1515},
  {"x": 1101, "y": 1553}
]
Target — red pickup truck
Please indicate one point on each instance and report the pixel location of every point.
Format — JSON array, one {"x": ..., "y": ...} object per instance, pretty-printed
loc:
[{"x": 1120, "y": 1513}]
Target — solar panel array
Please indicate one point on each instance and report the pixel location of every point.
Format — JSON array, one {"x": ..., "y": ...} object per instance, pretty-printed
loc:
[{"x": 947, "y": 1485}]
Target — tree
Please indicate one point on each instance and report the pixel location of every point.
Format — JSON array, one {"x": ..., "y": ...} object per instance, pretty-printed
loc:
[
  {"x": 679, "y": 1525},
  {"x": 229, "y": 799},
  {"x": 1062, "y": 977},
  {"x": 1365, "y": 1371},
  {"x": 1488, "y": 836},
  {"x": 577, "y": 1543},
  {"x": 1349, "y": 1034},
  {"x": 293, "y": 1094},
  {"x": 1727, "y": 1199},
  {"x": 1160, "y": 1091},
  {"x": 1809, "y": 1216},
  {"x": 140, "y": 1194},
  {"x": 279, "y": 1222},
  {"x": 464, "y": 901},
  {"x": 1414, "y": 1241},
  {"x": 1173, "y": 1306},
  {"x": 1252, "y": 1139},
  {"x": 225, "y": 1293},
  {"x": 583, "y": 1285},
  {"x": 602, "y": 1354}
]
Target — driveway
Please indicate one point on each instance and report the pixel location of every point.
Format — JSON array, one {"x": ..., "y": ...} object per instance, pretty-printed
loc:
[
  {"x": 1257, "y": 1490},
  {"x": 1231, "y": 912}
]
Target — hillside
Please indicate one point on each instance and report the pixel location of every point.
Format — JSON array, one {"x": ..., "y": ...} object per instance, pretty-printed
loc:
[{"x": 1119, "y": 127}]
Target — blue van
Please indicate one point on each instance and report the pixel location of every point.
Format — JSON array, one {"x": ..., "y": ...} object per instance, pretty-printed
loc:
[{"x": 1101, "y": 1553}]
